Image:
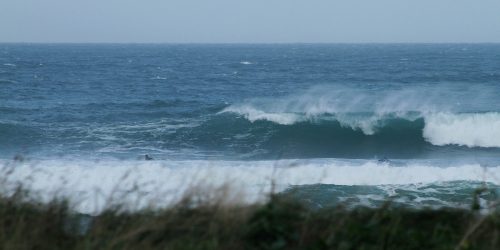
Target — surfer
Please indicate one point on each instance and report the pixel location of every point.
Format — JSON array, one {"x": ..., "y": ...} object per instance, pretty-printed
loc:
[
  {"x": 383, "y": 160},
  {"x": 148, "y": 158}
]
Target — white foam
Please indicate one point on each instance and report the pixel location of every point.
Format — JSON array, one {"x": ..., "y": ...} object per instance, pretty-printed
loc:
[
  {"x": 246, "y": 63},
  {"x": 340, "y": 103},
  {"x": 9, "y": 64},
  {"x": 158, "y": 78},
  {"x": 252, "y": 114},
  {"x": 366, "y": 124},
  {"x": 92, "y": 184},
  {"x": 472, "y": 130}
]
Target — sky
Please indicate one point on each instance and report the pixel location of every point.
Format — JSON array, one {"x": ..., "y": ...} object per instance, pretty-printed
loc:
[{"x": 250, "y": 21}]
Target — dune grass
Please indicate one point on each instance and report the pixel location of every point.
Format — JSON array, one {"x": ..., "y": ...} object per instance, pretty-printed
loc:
[{"x": 282, "y": 222}]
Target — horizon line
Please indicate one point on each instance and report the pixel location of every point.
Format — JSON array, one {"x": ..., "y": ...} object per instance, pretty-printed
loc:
[{"x": 248, "y": 43}]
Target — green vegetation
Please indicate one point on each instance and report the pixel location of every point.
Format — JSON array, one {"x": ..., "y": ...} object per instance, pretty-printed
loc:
[{"x": 281, "y": 223}]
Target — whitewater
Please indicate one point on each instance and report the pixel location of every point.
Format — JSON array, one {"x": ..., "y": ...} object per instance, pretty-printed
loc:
[{"x": 97, "y": 185}]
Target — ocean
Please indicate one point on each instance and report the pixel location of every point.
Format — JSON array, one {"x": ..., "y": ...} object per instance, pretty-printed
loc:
[{"x": 352, "y": 124}]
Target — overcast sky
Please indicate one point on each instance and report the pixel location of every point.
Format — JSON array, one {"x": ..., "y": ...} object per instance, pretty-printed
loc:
[{"x": 249, "y": 21}]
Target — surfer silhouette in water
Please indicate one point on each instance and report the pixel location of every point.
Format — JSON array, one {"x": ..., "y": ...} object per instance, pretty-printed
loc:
[
  {"x": 383, "y": 160},
  {"x": 148, "y": 158}
]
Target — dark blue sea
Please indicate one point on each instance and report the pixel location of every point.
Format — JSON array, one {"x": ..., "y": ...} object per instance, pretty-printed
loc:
[{"x": 418, "y": 124}]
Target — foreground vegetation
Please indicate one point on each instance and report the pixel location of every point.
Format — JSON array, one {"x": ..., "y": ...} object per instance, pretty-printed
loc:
[{"x": 281, "y": 223}]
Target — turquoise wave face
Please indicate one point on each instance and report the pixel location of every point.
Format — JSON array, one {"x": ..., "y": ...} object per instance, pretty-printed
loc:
[{"x": 231, "y": 136}]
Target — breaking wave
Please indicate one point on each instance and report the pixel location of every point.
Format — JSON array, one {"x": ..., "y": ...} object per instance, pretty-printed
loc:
[
  {"x": 472, "y": 130},
  {"x": 370, "y": 113},
  {"x": 465, "y": 129}
]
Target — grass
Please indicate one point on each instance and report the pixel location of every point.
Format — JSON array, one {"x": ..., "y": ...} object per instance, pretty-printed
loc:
[{"x": 283, "y": 222}]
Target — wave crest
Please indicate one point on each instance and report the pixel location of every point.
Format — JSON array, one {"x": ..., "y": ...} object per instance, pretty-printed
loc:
[
  {"x": 471, "y": 130},
  {"x": 441, "y": 128},
  {"x": 447, "y": 121}
]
